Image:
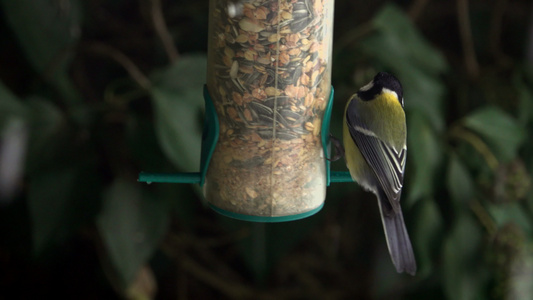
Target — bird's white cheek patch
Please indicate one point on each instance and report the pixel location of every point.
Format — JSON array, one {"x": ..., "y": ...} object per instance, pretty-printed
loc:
[{"x": 385, "y": 90}]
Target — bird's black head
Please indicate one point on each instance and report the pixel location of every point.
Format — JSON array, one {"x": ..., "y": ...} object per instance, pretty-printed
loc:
[{"x": 380, "y": 81}]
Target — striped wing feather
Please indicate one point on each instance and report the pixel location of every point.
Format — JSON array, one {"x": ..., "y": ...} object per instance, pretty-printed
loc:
[{"x": 387, "y": 162}]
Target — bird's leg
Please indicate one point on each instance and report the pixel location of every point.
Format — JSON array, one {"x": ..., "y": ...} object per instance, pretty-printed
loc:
[{"x": 339, "y": 149}]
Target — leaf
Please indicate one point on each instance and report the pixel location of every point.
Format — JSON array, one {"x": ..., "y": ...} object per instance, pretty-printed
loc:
[
  {"x": 178, "y": 102},
  {"x": 459, "y": 182},
  {"x": 424, "y": 93},
  {"x": 47, "y": 31},
  {"x": 401, "y": 35},
  {"x": 428, "y": 236},
  {"x": 500, "y": 131},
  {"x": 131, "y": 223},
  {"x": 149, "y": 156},
  {"x": 462, "y": 263},
  {"x": 48, "y": 131},
  {"x": 529, "y": 201},
  {"x": 44, "y": 28},
  {"x": 144, "y": 286},
  {"x": 511, "y": 213},
  {"x": 425, "y": 154},
  {"x": 10, "y": 106},
  {"x": 525, "y": 96},
  {"x": 51, "y": 138},
  {"x": 145, "y": 148},
  {"x": 13, "y": 141},
  {"x": 399, "y": 47},
  {"x": 61, "y": 200},
  {"x": 520, "y": 279},
  {"x": 48, "y": 197},
  {"x": 46, "y": 123}
]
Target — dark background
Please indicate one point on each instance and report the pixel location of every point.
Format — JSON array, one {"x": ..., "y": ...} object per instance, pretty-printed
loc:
[{"x": 89, "y": 94}]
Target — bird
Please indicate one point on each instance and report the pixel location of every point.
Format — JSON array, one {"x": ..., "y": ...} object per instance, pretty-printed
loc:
[{"x": 375, "y": 144}]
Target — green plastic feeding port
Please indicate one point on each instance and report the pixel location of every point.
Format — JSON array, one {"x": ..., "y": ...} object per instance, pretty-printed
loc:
[{"x": 209, "y": 142}]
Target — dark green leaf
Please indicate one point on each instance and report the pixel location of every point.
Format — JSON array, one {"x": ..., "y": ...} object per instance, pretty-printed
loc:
[
  {"x": 61, "y": 200},
  {"x": 424, "y": 154},
  {"x": 512, "y": 212},
  {"x": 48, "y": 197},
  {"x": 10, "y": 106},
  {"x": 529, "y": 202},
  {"x": 499, "y": 130},
  {"x": 178, "y": 101},
  {"x": 13, "y": 143},
  {"x": 423, "y": 93},
  {"x": 46, "y": 123},
  {"x": 462, "y": 261},
  {"x": 145, "y": 148},
  {"x": 131, "y": 223},
  {"x": 149, "y": 156},
  {"x": 51, "y": 136},
  {"x": 525, "y": 95},
  {"x": 47, "y": 31},
  {"x": 398, "y": 46},
  {"x": 401, "y": 37},
  {"x": 459, "y": 182}
]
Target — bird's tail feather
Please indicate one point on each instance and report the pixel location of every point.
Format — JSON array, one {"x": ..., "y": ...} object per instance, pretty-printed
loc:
[{"x": 397, "y": 237}]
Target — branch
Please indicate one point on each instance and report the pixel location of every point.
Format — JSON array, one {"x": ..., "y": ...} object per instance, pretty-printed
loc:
[
  {"x": 472, "y": 66},
  {"x": 161, "y": 29},
  {"x": 228, "y": 288},
  {"x": 483, "y": 216},
  {"x": 416, "y": 9},
  {"x": 135, "y": 73},
  {"x": 496, "y": 31},
  {"x": 478, "y": 144}
]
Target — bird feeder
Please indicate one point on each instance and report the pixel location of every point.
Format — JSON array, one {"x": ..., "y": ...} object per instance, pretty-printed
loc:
[{"x": 268, "y": 105}]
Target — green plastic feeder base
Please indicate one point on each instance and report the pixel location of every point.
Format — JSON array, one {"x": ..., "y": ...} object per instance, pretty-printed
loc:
[{"x": 265, "y": 219}]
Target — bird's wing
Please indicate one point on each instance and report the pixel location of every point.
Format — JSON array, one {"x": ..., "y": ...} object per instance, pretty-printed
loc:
[{"x": 387, "y": 163}]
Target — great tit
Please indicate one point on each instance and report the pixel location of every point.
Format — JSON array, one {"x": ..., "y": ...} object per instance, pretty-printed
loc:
[{"x": 374, "y": 136}]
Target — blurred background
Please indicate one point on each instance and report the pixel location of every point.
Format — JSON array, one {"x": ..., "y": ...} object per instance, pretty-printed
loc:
[{"x": 89, "y": 94}]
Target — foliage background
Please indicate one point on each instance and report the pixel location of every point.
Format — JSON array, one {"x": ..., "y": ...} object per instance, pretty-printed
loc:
[{"x": 94, "y": 91}]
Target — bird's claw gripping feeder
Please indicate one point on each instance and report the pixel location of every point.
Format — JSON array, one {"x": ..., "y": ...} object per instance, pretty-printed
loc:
[{"x": 268, "y": 104}]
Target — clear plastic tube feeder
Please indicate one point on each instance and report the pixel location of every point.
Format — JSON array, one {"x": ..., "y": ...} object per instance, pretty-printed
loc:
[{"x": 269, "y": 78}]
